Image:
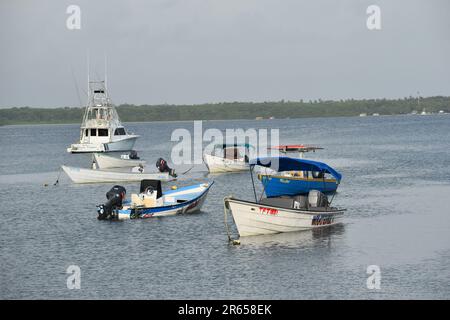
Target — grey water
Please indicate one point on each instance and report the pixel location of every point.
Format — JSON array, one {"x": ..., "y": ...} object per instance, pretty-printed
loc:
[{"x": 396, "y": 188}]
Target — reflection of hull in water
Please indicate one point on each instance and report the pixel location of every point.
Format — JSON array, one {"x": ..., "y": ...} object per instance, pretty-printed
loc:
[
  {"x": 253, "y": 218},
  {"x": 275, "y": 186}
]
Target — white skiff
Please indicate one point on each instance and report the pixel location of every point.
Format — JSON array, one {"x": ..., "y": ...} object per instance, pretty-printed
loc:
[
  {"x": 83, "y": 175},
  {"x": 253, "y": 218},
  {"x": 217, "y": 164},
  {"x": 106, "y": 162},
  {"x": 228, "y": 158}
]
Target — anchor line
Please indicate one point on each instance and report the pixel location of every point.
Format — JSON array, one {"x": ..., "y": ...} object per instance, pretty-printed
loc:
[
  {"x": 59, "y": 175},
  {"x": 225, "y": 210}
]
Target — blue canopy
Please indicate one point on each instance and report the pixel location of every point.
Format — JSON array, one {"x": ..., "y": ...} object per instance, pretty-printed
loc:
[{"x": 295, "y": 164}]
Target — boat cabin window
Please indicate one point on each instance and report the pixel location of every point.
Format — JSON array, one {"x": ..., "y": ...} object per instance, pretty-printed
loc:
[
  {"x": 93, "y": 132},
  {"x": 119, "y": 132},
  {"x": 102, "y": 132}
]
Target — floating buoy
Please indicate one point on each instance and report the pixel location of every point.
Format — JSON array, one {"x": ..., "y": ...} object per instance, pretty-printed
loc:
[
  {"x": 173, "y": 187},
  {"x": 236, "y": 242},
  {"x": 45, "y": 184}
]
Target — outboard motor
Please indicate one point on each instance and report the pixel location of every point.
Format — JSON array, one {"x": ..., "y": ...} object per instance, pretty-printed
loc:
[
  {"x": 162, "y": 166},
  {"x": 133, "y": 155},
  {"x": 115, "y": 198}
]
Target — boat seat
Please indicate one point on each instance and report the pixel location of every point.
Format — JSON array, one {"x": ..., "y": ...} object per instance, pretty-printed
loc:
[
  {"x": 155, "y": 184},
  {"x": 301, "y": 202},
  {"x": 136, "y": 200},
  {"x": 297, "y": 202}
]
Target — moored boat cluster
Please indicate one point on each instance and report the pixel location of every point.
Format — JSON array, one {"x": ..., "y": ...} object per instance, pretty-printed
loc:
[{"x": 295, "y": 190}]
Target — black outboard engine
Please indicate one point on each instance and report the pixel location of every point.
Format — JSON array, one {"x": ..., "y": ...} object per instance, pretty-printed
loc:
[
  {"x": 115, "y": 197},
  {"x": 133, "y": 155},
  {"x": 162, "y": 166}
]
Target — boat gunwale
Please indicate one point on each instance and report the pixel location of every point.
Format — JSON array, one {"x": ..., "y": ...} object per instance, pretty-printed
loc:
[
  {"x": 297, "y": 178},
  {"x": 310, "y": 212}
]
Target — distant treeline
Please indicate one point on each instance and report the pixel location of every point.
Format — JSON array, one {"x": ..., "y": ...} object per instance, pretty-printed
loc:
[{"x": 232, "y": 110}]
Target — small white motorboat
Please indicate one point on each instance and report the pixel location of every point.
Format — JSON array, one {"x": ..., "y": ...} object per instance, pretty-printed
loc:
[
  {"x": 83, "y": 175},
  {"x": 152, "y": 202},
  {"x": 104, "y": 161},
  {"x": 228, "y": 158},
  {"x": 282, "y": 213}
]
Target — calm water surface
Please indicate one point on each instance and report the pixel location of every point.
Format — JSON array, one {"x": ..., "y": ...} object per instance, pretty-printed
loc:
[{"x": 396, "y": 188}]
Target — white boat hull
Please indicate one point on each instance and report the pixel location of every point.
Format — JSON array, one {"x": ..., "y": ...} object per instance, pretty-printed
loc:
[
  {"x": 219, "y": 164},
  {"x": 106, "y": 162},
  {"x": 125, "y": 144},
  {"x": 190, "y": 206},
  {"x": 82, "y": 175},
  {"x": 257, "y": 219}
]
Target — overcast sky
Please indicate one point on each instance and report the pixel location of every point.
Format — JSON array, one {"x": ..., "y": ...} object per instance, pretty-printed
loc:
[{"x": 198, "y": 51}]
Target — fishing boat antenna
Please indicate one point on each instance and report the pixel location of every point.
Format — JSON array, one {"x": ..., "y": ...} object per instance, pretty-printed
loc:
[
  {"x": 76, "y": 86},
  {"x": 88, "y": 70},
  {"x": 106, "y": 75}
]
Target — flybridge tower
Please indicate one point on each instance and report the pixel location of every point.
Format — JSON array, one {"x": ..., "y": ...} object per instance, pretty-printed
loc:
[{"x": 101, "y": 129}]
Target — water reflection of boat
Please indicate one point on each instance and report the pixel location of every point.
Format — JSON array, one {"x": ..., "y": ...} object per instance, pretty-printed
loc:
[{"x": 281, "y": 213}]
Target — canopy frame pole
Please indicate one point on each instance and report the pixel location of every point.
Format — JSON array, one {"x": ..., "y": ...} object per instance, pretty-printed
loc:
[{"x": 253, "y": 183}]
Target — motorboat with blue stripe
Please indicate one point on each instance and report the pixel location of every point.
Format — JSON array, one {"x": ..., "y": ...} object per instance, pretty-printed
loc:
[{"x": 152, "y": 202}]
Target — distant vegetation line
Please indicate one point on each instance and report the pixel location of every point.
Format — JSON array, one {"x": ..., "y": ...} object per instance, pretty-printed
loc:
[{"x": 232, "y": 110}]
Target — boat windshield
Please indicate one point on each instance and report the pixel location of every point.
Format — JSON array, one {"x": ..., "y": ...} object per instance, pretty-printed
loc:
[{"x": 232, "y": 153}]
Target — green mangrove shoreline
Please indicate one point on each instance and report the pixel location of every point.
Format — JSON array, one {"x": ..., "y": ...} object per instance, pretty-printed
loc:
[{"x": 232, "y": 110}]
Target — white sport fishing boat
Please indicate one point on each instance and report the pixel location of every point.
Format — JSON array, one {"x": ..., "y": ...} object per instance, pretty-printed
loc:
[
  {"x": 282, "y": 213},
  {"x": 101, "y": 129}
]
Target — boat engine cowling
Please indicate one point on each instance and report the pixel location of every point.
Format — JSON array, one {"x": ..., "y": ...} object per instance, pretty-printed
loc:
[
  {"x": 162, "y": 166},
  {"x": 115, "y": 198},
  {"x": 133, "y": 155}
]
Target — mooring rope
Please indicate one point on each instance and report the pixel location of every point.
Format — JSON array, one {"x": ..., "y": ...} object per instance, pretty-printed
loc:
[
  {"x": 59, "y": 175},
  {"x": 225, "y": 210}
]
